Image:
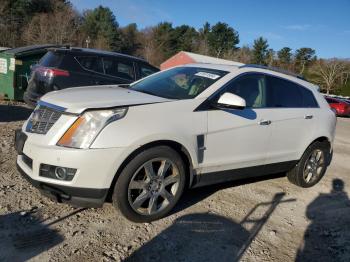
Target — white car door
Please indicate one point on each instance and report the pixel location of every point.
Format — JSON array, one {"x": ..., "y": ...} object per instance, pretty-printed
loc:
[
  {"x": 295, "y": 112},
  {"x": 238, "y": 138}
]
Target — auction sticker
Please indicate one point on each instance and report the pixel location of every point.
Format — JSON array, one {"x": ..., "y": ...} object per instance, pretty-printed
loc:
[
  {"x": 3, "y": 65},
  {"x": 207, "y": 75}
]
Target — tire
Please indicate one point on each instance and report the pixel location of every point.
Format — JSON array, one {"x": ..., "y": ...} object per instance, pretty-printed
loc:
[
  {"x": 145, "y": 190},
  {"x": 299, "y": 174}
]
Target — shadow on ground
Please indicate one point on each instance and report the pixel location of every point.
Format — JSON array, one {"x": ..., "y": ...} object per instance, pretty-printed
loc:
[
  {"x": 24, "y": 235},
  {"x": 206, "y": 237},
  {"x": 328, "y": 236},
  {"x": 195, "y": 195},
  {"x": 12, "y": 113}
]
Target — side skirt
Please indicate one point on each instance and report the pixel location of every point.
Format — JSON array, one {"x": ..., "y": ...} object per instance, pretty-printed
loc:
[{"x": 205, "y": 179}]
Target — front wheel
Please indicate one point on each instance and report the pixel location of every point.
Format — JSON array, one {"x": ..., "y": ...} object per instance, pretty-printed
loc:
[
  {"x": 150, "y": 185},
  {"x": 312, "y": 165}
]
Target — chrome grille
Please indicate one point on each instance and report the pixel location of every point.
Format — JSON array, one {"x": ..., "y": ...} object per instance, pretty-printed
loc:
[{"x": 42, "y": 119}]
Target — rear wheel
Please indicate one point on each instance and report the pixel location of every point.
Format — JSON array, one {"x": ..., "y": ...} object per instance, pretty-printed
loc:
[
  {"x": 150, "y": 185},
  {"x": 312, "y": 165}
]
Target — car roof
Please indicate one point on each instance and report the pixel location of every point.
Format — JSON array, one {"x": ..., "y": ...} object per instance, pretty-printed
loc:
[
  {"x": 335, "y": 99},
  {"x": 98, "y": 52},
  {"x": 234, "y": 67},
  {"x": 258, "y": 68},
  {"x": 29, "y": 50},
  {"x": 229, "y": 68}
]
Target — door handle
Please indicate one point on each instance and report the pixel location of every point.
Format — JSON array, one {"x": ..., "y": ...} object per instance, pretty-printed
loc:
[
  {"x": 264, "y": 122},
  {"x": 308, "y": 116}
]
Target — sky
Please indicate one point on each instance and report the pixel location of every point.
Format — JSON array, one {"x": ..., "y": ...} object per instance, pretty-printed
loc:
[{"x": 323, "y": 25}]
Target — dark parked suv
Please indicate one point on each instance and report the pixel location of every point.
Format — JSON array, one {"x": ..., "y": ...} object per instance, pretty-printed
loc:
[{"x": 71, "y": 67}]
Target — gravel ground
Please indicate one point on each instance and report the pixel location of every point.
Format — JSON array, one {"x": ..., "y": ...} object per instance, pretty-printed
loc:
[{"x": 255, "y": 220}]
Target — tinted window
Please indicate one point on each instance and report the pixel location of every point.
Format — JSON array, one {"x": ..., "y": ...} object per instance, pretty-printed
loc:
[
  {"x": 147, "y": 70},
  {"x": 116, "y": 68},
  {"x": 252, "y": 88},
  {"x": 92, "y": 63},
  {"x": 283, "y": 93},
  {"x": 51, "y": 59},
  {"x": 308, "y": 98},
  {"x": 179, "y": 82}
]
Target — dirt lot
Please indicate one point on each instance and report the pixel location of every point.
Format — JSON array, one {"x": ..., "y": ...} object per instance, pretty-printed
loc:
[{"x": 256, "y": 220}]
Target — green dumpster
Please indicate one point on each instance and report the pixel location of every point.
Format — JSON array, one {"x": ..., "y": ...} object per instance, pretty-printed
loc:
[{"x": 15, "y": 69}]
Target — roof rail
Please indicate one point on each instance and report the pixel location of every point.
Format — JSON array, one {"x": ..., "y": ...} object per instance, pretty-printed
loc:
[{"x": 275, "y": 69}]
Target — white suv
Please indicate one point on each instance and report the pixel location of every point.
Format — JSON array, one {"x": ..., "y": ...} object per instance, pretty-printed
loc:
[{"x": 189, "y": 126}]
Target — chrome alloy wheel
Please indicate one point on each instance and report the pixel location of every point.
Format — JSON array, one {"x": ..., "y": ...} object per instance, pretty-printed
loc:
[
  {"x": 153, "y": 186},
  {"x": 314, "y": 166}
]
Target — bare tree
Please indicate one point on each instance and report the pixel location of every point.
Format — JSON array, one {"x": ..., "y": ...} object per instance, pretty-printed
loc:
[
  {"x": 58, "y": 27},
  {"x": 148, "y": 49},
  {"x": 243, "y": 55},
  {"x": 330, "y": 74},
  {"x": 101, "y": 43}
]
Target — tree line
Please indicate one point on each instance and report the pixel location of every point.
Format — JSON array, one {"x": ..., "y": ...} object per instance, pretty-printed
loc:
[{"x": 26, "y": 22}]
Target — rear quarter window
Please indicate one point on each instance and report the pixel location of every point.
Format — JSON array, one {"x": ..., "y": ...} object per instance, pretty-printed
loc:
[
  {"x": 146, "y": 70},
  {"x": 309, "y": 99},
  {"x": 51, "y": 59}
]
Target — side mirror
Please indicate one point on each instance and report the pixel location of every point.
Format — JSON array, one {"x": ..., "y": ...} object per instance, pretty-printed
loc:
[{"x": 230, "y": 101}]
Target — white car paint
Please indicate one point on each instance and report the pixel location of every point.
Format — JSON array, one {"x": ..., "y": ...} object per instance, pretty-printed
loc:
[
  {"x": 78, "y": 99},
  {"x": 231, "y": 141}
]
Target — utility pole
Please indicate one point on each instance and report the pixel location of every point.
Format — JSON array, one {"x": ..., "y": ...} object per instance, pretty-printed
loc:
[{"x": 88, "y": 40}]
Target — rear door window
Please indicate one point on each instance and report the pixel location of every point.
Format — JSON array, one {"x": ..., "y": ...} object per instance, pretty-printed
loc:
[
  {"x": 283, "y": 93},
  {"x": 91, "y": 63},
  {"x": 117, "y": 68}
]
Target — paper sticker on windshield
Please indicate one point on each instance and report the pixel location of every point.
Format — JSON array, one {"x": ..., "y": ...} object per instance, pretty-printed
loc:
[{"x": 207, "y": 75}]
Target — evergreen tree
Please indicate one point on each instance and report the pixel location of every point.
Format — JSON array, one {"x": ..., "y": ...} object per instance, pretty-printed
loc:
[
  {"x": 221, "y": 39},
  {"x": 186, "y": 37},
  {"x": 130, "y": 42},
  {"x": 285, "y": 55},
  {"x": 101, "y": 26},
  {"x": 303, "y": 57},
  {"x": 260, "y": 51}
]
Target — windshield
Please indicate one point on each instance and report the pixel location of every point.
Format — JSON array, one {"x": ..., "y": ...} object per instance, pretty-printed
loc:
[{"x": 179, "y": 82}]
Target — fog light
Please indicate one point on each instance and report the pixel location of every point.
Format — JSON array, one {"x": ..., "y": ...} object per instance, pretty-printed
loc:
[
  {"x": 57, "y": 172},
  {"x": 61, "y": 173}
]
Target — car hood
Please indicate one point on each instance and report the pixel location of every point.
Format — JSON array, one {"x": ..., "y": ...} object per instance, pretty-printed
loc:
[{"x": 78, "y": 99}]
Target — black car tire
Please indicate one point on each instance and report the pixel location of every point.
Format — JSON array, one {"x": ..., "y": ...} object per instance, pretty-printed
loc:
[
  {"x": 122, "y": 198},
  {"x": 297, "y": 174}
]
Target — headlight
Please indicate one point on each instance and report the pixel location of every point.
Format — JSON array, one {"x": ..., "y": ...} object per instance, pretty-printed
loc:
[{"x": 86, "y": 128}]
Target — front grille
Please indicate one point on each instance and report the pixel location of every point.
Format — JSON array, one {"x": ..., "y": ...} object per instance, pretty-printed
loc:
[{"x": 42, "y": 119}]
